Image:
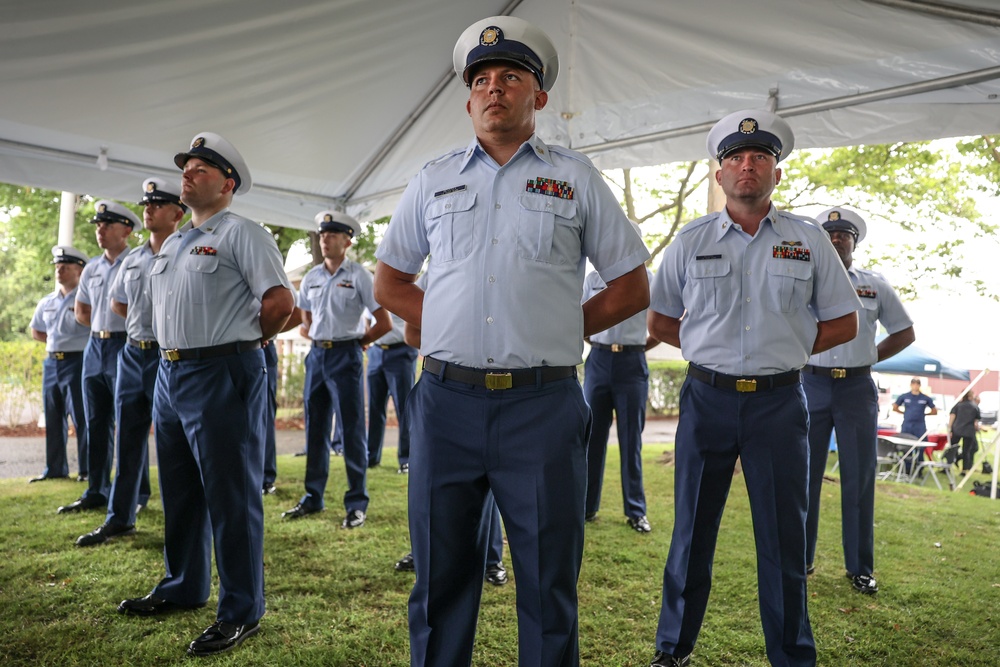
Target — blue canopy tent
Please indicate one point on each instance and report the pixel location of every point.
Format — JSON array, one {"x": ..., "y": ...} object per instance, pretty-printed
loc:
[{"x": 916, "y": 361}]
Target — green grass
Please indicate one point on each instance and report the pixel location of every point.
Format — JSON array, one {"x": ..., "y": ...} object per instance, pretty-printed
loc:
[{"x": 334, "y": 599}]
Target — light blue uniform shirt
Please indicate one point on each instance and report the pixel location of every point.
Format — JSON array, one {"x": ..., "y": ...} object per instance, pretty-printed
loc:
[
  {"x": 507, "y": 249},
  {"x": 630, "y": 332},
  {"x": 95, "y": 291},
  {"x": 752, "y": 302},
  {"x": 204, "y": 280},
  {"x": 338, "y": 301},
  {"x": 131, "y": 288},
  {"x": 879, "y": 303},
  {"x": 55, "y": 318},
  {"x": 395, "y": 334}
]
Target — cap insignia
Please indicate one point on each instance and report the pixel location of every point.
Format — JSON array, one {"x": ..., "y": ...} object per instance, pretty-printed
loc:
[
  {"x": 150, "y": 187},
  {"x": 490, "y": 36},
  {"x": 198, "y": 143},
  {"x": 748, "y": 126},
  {"x": 327, "y": 218},
  {"x": 834, "y": 216},
  {"x": 102, "y": 208}
]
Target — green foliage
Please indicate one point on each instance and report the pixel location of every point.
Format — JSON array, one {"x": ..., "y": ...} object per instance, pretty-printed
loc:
[
  {"x": 983, "y": 160},
  {"x": 20, "y": 380},
  {"x": 333, "y": 597}
]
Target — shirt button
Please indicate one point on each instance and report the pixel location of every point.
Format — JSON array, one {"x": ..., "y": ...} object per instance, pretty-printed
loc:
[
  {"x": 489, "y": 320},
  {"x": 748, "y": 299},
  {"x": 447, "y": 205},
  {"x": 496, "y": 241},
  {"x": 489, "y": 360},
  {"x": 747, "y": 357},
  {"x": 748, "y": 327},
  {"x": 749, "y": 272},
  {"x": 497, "y": 206},
  {"x": 493, "y": 279}
]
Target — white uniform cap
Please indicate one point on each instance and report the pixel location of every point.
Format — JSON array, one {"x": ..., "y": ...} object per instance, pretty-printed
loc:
[
  {"x": 510, "y": 39},
  {"x": 751, "y": 127},
  {"x": 843, "y": 219},
  {"x": 106, "y": 210},
  {"x": 159, "y": 190},
  {"x": 215, "y": 150},
  {"x": 67, "y": 254},
  {"x": 337, "y": 221}
]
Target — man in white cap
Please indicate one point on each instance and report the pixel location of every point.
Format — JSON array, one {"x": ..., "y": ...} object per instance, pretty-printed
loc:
[
  {"x": 842, "y": 396},
  {"x": 508, "y": 223},
  {"x": 54, "y": 324},
  {"x": 218, "y": 290},
  {"x": 333, "y": 297},
  {"x": 137, "y": 364},
  {"x": 114, "y": 224},
  {"x": 759, "y": 290}
]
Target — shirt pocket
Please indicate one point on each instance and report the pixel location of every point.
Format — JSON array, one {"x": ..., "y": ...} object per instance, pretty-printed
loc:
[
  {"x": 707, "y": 285},
  {"x": 157, "y": 279},
  {"x": 200, "y": 277},
  {"x": 789, "y": 284},
  {"x": 451, "y": 226},
  {"x": 546, "y": 229}
]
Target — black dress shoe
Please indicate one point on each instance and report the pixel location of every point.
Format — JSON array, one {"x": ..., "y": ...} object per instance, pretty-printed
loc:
[
  {"x": 810, "y": 568},
  {"x": 354, "y": 519},
  {"x": 150, "y": 605},
  {"x": 496, "y": 574},
  {"x": 80, "y": 504},
  {"x": 590, "y": 517},
  {"x": 300, "y": 511},
  {"x": 662, "y": 659},
  {"x": 221, "y": 637},
  {"x": 863, "y": 583},
  {"x": 338, "y": 452},
  {"x": 404, "y": 469},
  {"x": 42, "y": 478},
  {"x": 640, "y": 524},
  {"x": 405, "y": 564},
  {"x": 82, "y": 477},
  {"x": 302, "y": 453},
  {"x": 268, "y": 488},
  {"x": 108, "y": 531}
]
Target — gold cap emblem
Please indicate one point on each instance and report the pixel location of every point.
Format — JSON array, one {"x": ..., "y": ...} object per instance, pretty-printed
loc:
[
  {"x": 748, "y": 126},
  {"x": 198, "y": 143},
  {"x": 102, "y": 208},
  {"x": 490, "y": 36},
  {"x": 834, "y": 216},
  {"x": 150, "y": 187}
]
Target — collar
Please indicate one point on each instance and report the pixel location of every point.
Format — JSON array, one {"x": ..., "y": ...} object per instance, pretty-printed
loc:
[
  {"x": 534, "y": 145},
  {"x": 724, "y": 223}
]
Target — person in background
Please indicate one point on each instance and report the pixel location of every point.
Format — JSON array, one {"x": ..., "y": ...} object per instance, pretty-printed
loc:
[
  {"x": 914, "y": 406},
  {"x": 392, "y": 370},
  {"x": 54, "y": 323},
  {"x": 963, "y": 425},
  {"x": 113, "y": 225},
  {"x": 616, "y": 385},
  {"x": 209, "y": 404},
  {"x": 842, "y": 396},
  {"x": 137, "y": 364}
]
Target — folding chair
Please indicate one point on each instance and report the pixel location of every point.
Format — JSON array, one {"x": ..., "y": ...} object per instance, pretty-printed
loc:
[
  {"x": 937, "y": 461},
  {"x": 886, "y": 458}
]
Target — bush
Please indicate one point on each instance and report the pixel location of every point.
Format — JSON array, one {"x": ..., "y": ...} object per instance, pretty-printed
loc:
[{"x": 21, "y": 381}]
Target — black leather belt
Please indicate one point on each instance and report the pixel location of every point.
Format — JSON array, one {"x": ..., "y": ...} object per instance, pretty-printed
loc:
[
  {"x": 143, "y": 344},
  {"x": 619, "y": 348},
  {"x": 329, "y": 344},
  {"x": 838, "y": 373},
  {"x": 59, "y": 356},
  {"x": 210, "y": 352},
  {"x": 499, "y": 378},
  {"x": 392, "y": 346},
  {"x": 104, "y": 335},
  {"x": 745, "y": 383}
]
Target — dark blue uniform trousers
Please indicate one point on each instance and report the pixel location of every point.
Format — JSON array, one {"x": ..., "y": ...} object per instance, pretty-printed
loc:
[
  {"x": 270, "y": 437},
  {"x": 335, "y": 378},
  {"x": 62, "y": 391},
  {"x": 100, "y": 373},
  {"x": 209, "y": 420},
  {"x": 768, "y": 430},
  {"x": 849, "y": 405},
  {"x": 616, "y": 384},
  {"x": 133, "y": 414},
  {"x": 390, "y": 373},
  {"x": 529, "y": 446}
]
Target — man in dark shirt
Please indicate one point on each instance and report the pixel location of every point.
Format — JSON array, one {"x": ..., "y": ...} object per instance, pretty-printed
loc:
[{"x": 963, "y": 422}]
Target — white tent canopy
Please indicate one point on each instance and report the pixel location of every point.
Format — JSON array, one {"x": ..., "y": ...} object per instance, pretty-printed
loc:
[{"x": 338, "y": 104}]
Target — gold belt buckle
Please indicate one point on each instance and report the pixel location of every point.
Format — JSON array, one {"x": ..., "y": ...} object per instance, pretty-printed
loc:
[
  {"x": 104, "y": 334},
  {"x": 326, "y": 344},
  {"x": 617, "y": 347},
  {"x": 173, "y": 355},
  {"x": 838, "y": 373},
  {"x": 499, "y": 381},
  {"x": 146, "y": 345},
  {"x": 384, "y": 347},
  {"x": 59, "y": 355},
  {"x": 743, "y": 385}
]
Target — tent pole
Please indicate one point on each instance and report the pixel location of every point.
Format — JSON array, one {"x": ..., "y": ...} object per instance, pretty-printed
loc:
[{"x": 67, "y": 218}]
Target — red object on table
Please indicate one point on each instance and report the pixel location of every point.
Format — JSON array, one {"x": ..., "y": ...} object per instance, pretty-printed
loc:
[{"x": 940, "y": 440}]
